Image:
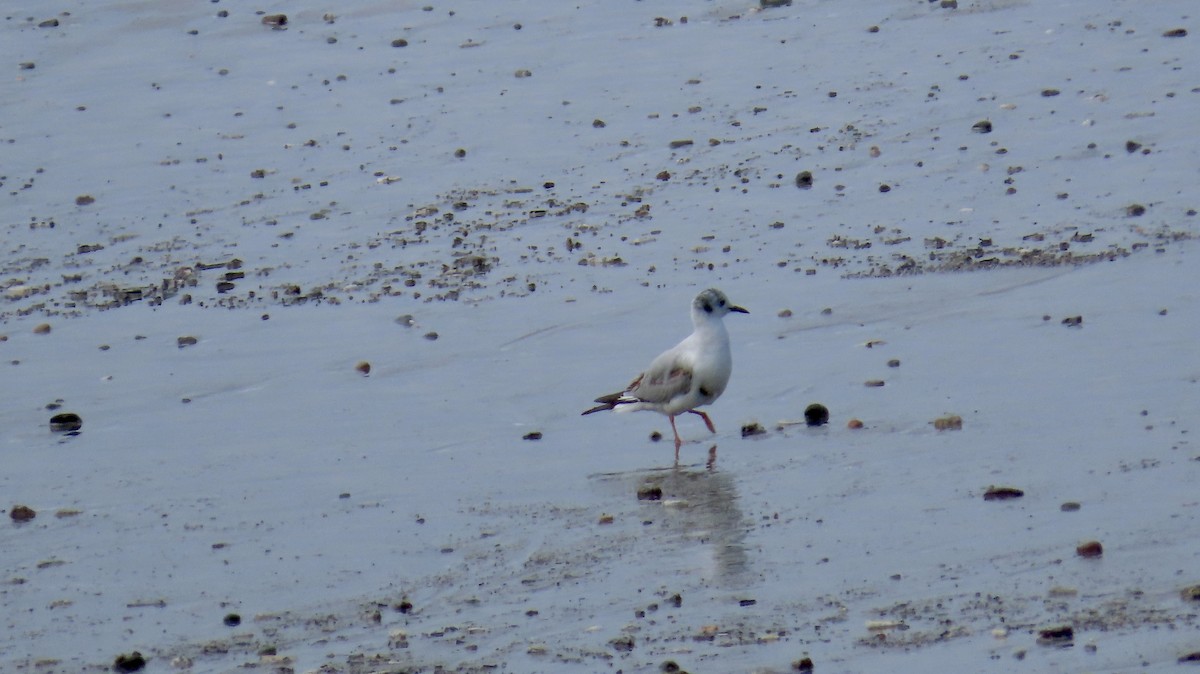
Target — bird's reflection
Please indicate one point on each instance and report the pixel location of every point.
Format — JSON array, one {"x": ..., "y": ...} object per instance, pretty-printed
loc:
[{"x": 687, "y": 506}]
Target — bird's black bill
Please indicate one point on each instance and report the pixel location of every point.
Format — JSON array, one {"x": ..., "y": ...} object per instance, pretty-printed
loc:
[{"x": 740, "y": 310}]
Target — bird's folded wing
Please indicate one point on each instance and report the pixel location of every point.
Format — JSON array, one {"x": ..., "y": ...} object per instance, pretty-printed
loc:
[{"x": 665, "y": 379}]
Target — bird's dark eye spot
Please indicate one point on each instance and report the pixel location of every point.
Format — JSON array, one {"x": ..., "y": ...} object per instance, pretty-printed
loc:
[
  {"x": 704, "y": 392},
  {"x": 708, "y": 308},
  {"x": 722, "y": 302}
]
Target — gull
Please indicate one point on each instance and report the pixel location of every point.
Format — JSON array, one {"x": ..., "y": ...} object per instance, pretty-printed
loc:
[{"x": 692, "y": 373}]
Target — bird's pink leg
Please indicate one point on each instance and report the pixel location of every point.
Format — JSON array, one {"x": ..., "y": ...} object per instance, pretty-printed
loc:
[
  {"x": 707, "y": 422},
  {"x": 678, "y": 440}
]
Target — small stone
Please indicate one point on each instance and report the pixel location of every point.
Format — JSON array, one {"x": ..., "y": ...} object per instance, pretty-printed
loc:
[
  {"x": 752, "y": 429},
  {"x": 363, "y": 368},
  {"x": 894, "y": 362},
  {"x": 816, "y": 414},
  {"x": 232, "y": 620},
  {"x": 747, "y": 602},
  {"x": 1073, "y": 321},
  {"x": 676, "y": 144},
  {"x": 598, "y": 124},
  {"x": 982, "y": 126},
  {"x": 84, "y": 200},
  {"x": 1132, "y": 146},
  {"x": 854, "y": 424},
  {"x": 1191, "y": 593},
  {"x": 605, "y": 519},
  {"x": 1070, "y": 507},
  {"x": 1047, "y": 93},
  {"x": 623, "y": 643},
  {"x": 65, "y": 422},
  {"x": 804, "y": 180},
  {"x": 431, "y": 336},
  {"x": 995, "y": 493},
  {"x": 663, "y": 176},
  {"x": 405, "y": 606},
  {"x": 400, "y": 42},
  {"x": 275, "y": 20},
  {"x": 1056, "y": 636},
  {"x": 874, "y": 383},
  {"x": 48, "y": 23},
  {"x": 460, "y": 153},
  {"x": 650, "y": 492},
  {"x": 804, "y": 664},
  {"x": 1090, "y": 549},
  {"x": 41, "y": 329},
  {"x": 522, "y": 73},
  {"x": 186, "y": 340},
  {"x": 1135, "y": 210},
  {"x": 1194, "y": 656},
  {"x": 785, "y": 313},
  {"x": 132, "y": 662},
  {"x": 534, "y": 435},
  {"x": 951, "y": 422},
  {"x": 1176, "y": 32},
  {"x": 22, "y": 513},
  {"x": 655, "y": 436}
]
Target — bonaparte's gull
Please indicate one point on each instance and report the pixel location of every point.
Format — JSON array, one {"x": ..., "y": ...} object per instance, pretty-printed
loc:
[{"x": 692, "y": 373}]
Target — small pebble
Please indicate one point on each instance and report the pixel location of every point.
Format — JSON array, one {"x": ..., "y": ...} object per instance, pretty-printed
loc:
[
  {"x": 65, "y": 422},
  {"x": 1055, "y": 636},
  {"x": 41, "y": 329},
  {"x": 752, "y": 429},
  {"x": 995, "y": 493},
  {"x": 952, "y": 422},
  {"x": 1090, "y": 549},
  {"x": 816, "y": 414},
  {"x": 363, "y": 368},
  {"x": 535, "y": 435},
  {"x": 649, "y": 493},
  {"x": 22, "y": 513},
  {"x": 132, "y": 662},
  {"x": 854, "y": 424},
  {"x": 232, "y": 620}
]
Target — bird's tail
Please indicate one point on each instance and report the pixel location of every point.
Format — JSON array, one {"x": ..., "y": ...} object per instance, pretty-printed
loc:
[{"x": 607, "y": 402}]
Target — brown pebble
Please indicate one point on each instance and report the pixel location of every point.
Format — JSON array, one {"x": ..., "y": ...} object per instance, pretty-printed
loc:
[
  {"x": 400, "y": 42},
  {"x": 431, "y": 336},
  {"x": 22, "y": 513},
  {"x": 1089, "y": 549},
  {"x": 804, "y": 180},
  {"x": 1054, "y": 636},
  {"x": 655, "y": 436},
  {"x": 803, "y": 665},
  {"x": 785, "y": 313},
  {"x": 951, "y": 422},
  {"x": 1069, "y": 507},
  {"x": 1135, "y": 210},
  {"x": 854, "y": 424},
  {"x": 186, "y": 340},
  {"x": 649, "y": 493},
  {"x": 1073, "y": 321},
  {"x": 605, "y": 519},
  {"x": 84, "y": 200},
  {"x": 66, "y": 422},
  {"x": 132, "y": 662},
  {"x": 534, "y": 435},
  {"x": 752, "y": 429},
  {"x": 874, "y": 383},
  {"x": 598, "y": 124},
  {"x": 1176, "y": 32},
  {"x": 41, "y": 329},
  {"x": 363, "y": 367},
  {"x": 275, "y": 20},
  {"x": 995, "y": 493},
  {"x": 1191, "y": 593},
  {"x": 663, "y": 175},
  {"x": 676, "y": 144}
]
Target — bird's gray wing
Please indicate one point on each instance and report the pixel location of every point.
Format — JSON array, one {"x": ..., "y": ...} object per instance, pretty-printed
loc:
[{"x": 670, "y": 375}]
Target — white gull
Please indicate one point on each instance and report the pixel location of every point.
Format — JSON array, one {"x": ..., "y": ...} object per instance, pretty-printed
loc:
[{"x": 690, "y": 374}]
